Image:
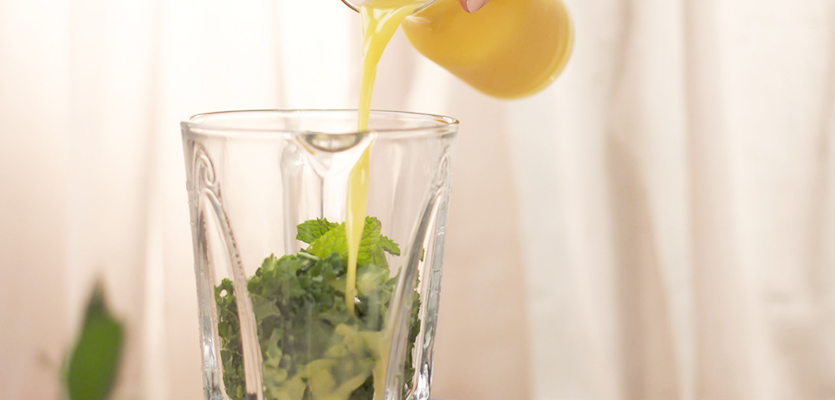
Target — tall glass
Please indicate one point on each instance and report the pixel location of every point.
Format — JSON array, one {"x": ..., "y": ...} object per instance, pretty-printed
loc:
[{"x": 267, "y": 192}]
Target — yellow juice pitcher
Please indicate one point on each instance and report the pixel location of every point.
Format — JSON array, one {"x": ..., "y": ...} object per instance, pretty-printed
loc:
[{"x": 508, "y": 49}]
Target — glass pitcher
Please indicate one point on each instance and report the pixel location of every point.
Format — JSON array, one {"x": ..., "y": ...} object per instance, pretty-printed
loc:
[{"x": 267, "y": 194}]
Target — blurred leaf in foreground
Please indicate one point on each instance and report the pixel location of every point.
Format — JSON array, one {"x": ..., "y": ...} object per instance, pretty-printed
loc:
[{"x": 94, "y": 360}]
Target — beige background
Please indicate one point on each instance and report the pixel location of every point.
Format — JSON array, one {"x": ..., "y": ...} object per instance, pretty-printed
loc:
[{"x": 658, "y": 224}]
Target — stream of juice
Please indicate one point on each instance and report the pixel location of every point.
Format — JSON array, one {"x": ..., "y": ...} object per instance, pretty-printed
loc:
[{"x": 380, "y": 20}]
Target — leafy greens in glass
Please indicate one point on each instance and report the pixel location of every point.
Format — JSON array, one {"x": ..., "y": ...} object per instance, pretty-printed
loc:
[{"x": 312, "y": 346}]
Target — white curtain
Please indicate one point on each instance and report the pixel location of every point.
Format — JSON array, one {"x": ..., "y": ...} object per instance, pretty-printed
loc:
[
  {"x": 658, "y": 224},
  {"x": 676, "y": 189}
]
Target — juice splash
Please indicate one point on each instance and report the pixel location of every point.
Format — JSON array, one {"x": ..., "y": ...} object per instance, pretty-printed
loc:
[{"x": 380, "y": 20}]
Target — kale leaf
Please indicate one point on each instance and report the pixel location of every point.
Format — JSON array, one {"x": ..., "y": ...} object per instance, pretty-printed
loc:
[{"x": 312, "y": 347}]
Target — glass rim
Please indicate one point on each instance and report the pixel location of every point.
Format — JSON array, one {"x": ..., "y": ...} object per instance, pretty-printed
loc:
[{"x": 202, "y": 124}]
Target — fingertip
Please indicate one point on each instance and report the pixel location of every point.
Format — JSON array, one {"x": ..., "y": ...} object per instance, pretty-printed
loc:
[
  {"x": 465, "y": 6},
  {"x": 472, "y": 6}
]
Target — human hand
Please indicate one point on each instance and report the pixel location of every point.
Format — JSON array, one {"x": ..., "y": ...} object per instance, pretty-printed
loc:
[{"x": 472, "y": 6}]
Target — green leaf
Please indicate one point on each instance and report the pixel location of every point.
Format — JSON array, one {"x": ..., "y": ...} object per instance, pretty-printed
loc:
[
  {"x": 370, "y": 250},
  {"x": 373, "y": 244},
  {"x": 389, "y": 246},
  {"x": 309, "y": 231},
  {"x": 94, "y": 361},
  {"x": 331, "y": 242}
]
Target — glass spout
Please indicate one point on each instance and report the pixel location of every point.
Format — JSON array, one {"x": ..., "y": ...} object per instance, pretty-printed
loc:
[{"x": 356, "y": 4}]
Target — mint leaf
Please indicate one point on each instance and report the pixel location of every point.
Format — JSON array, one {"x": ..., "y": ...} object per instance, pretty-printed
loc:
[
  {"x": 370, "y": 250},
  {"x": 373, "y": 244},
  {"x": 389, "y": 246},
  {"x": 94, "y": 362},
  {"x": 331, "y": 242},
  {"x": 311, "y": 230}
]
